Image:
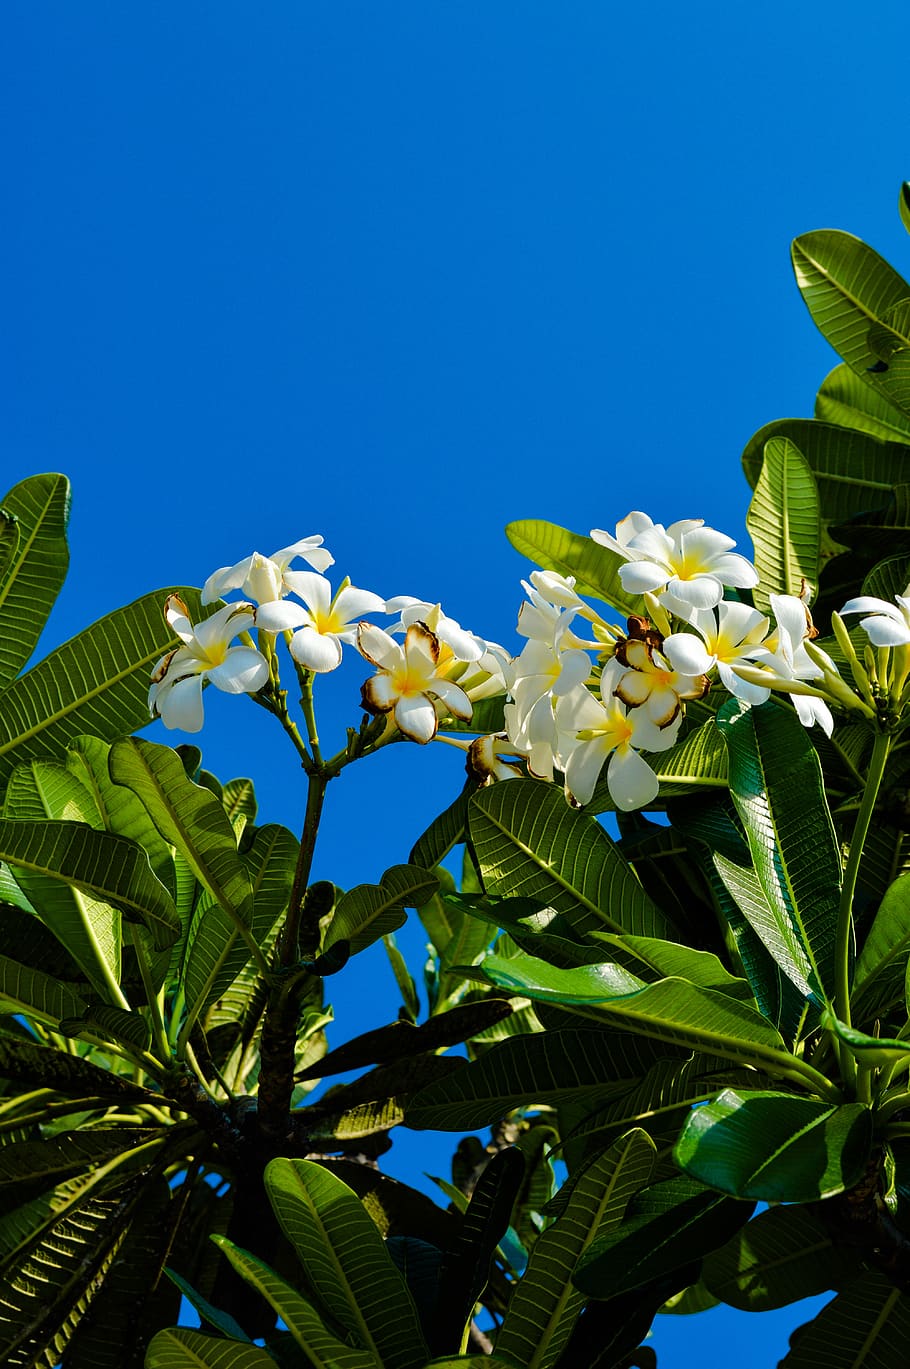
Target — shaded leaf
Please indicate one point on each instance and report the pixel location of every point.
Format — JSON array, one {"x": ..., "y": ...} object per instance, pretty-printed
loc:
[
  {"x": 369, "y": 911},
  {"x": 865, "y": 1327},
  {"x": 782, "y": 1255}
]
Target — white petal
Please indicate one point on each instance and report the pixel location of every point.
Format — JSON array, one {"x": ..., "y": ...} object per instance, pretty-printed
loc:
[
  {"x": 280, "y": 615},
  {"x": 175, "y": 613},
  {"x": 352, "y": 603},
  {"x": 316, "y": 650},
  {"x": 702, "y": 591},
  {"x": 243, "y": 671},
  {"x": 310, "y": 548},
  {"x": 379, "y": 695},
  {"x": 416, "y": 718},
  {"x": 638, "y": 576},
  {"x": 315, "y": 590},
  {"x": 686, "y": 654},
  {"x": 811, "y": 711},
  {"x": 181, "y": 705},
  {"x": 575, "y": 667},
  {"x": 631, "y": 781},
  {"x": 583, "y": 767},
  {"x": 742, "y": 689},
  {"x": 223, "y": 580},
  {"x": 455, "y": 699},
  {"x": 377, "y": 646},
  {"x": 867, "y": 604},
  {"x": 736, "y": 570},
  {"x": 884, "y": 631},
  {"x": 224, "y": 625}
]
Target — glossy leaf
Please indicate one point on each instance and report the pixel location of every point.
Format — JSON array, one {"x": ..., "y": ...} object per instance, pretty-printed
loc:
[
  {"x": 345, "y": 1261},
  {"x": 777, "y": 786},
  {"x": 96, "y": 683},
  {"x": 784, "y": 523},
  {"x": 530, "y": 843},
  {"x": 865, "y": 1327},
  {"x": 782, "y": 1255},
  {"x": 880, "y": 970},
  {"x": 369, "y": 911},
  {"x": 443, "y": 834},
  {"x": 181, "y": 1348},
  {"x": 595, "y": 568},
  {"x": 323, "y": 1350},
  {"x": 545, "y": 1304},
  {"x": 775, "y": 1147},
  {"x": 667, "y": 1226},
  {"x": 667, "y": 958},
  {"x": 34, "y": 567},
  {"x": 847, "y": 399}
]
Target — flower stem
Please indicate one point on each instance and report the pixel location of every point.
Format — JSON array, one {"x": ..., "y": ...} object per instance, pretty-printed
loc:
[{"x": 315, "y": 798}]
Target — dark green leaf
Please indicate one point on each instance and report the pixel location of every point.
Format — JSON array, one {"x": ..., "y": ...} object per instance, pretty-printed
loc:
[
  {"x": 865, "y": 1327},
  {"x": 34, "y": 566},
  {"x": 782, "y": 1255}
]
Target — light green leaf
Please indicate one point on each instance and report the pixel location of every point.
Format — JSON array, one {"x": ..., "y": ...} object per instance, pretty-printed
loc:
[
  {"x": 878, "y": 977},
  {"x": 784, "y": 524},
  {"x": 595, "y": 568},
  {"x": 846, "y": 399},
  {"x": 775, "y": 1147},
  {"x": 403, "y": 977},
  {"x": 865, "y": 1327},
  {"x": 34, "y": 566},
  {"x": 530, "y": 843},
  {"x": 782, "y": 1255},
  {"x": 41, "y": 996},
  {"x": 323, "y": 1350},
  {"x": 96, "y": 683},
  {"x": 873, "y": 1051},
  {"x": 345, "y": 1261},
  {"x": 181, "y": 1348},
  {"x": 668, "y": 958},
  {"x": 697, "y": 763},
  {"x": 778, "y": 788},
  {"x": 544, "y": 1306},
  {"x": 369, "y": 911}
]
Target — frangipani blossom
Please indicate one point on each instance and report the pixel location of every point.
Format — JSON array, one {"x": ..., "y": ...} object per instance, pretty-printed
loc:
[
  {"x": 650, "y": 682},
  {"x": 687, "y": 561},
  {"x": 453, "y": 639},
  {"x": 595, "y": 732},
  {"x": 887, "y": 625},
  {"x": 266, "y": 579},
  {"x": 324, "y": 624},
  {"x": 408, "y": 679},
  {"x": 206, "y": 654},
  {"x": 484, "y": 763},
  {"x": 728, "y": 635},
  {"x": 793, "y": 630}
]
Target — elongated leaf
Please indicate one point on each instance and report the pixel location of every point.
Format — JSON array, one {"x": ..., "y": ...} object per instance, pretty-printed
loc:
[
  {"x": 667, "y": 958},
  {"x": 530, "y": 843},
  {"x": 782, "y": 1255},
  {"x": 34, "y": 572},
  {"x": 443, "y": 833},
  {"x": 775, "y": 1147},
  {"x": 96, "y": 683},
  {"x": 550, "y": 1067},
  {"x": 544, "y": 1306},
  {"x": 778, "y": 789},
  {"x": 666, "y": 1226},
  {"x": 881, "y": 968},
  {"x": 595, "y": 568},
  {"x": 848, "y": 399},
  {"x": 45, "y": 1163},
  {"x": 865, "y": 1327},
  {"x": 323, "y": 1350},
  {"x": 670, "y": 1010},
  {"x": 784, "y": 523},
  {"x": 364, "y": 914},
  {"x": 105, "y": 866},
  {"x": 43, "y": 1067},
  {"x": 239, "y": 799},
  {"x": 41, "y": 996},
  {"x": 855, "y": 300},
  {"x": 345, "y": 1261},
  {"x": 180, "y": 1348}
]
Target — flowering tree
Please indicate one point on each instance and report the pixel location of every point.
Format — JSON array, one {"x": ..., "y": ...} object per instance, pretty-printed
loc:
[{"x": 700, "y": 1014}]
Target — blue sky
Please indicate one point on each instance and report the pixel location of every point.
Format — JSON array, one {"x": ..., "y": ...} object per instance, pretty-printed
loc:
[{"x": 399, "y": 274}]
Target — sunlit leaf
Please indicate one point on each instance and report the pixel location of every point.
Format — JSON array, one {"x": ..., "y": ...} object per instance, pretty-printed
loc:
[
  {"x": 784, "y": 523},
  {"x": 595, "y": 568},
  {"x": 34, "y": 567}
]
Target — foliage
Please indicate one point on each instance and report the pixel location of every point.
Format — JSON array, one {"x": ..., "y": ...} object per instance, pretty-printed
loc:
[{"x": 680, "y": 1016}]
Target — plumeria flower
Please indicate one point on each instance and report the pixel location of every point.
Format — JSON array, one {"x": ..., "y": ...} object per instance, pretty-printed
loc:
[
  {"x": 687, "y": 561},
  {"x": 484, "y": 679},
  {"x": 206, "y": 654},
  {"x": 266, "y": 579},
  {"x": 729, "y": 635},
  {"x": 651, "y": 683},
  {"x": 533, "y": 735},
  {"x": 886, "y": 625},
  {"x": 596, "y": 732},
  {"x": 484, "y": 759},
  {"x": 454, "y": 640},
  {"x": 794, "y": 629},
  {"x": 552, "y": 604},
  {"x": 324, "y": 623},
  {"x": 408, "y": 679}
]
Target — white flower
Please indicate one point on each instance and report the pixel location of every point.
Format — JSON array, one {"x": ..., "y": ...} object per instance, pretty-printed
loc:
[
  {"x": 729, "y": 635},
  {"x": 484, "y": 763},
  {"x": 690, "y": 562},
  {"x": 177, "y": 680},
  {"x": 887, "y": 626},
  {"x": 324, "y": 624},
  {"x": 464, "y": 646},
  {"x": 651, "y": 683},
  {"x": 266, "y": 579},
  {"x": 794, "y": 628},
  {"x": 592, "y": 733},
  {"x": 408, "y": 679}
]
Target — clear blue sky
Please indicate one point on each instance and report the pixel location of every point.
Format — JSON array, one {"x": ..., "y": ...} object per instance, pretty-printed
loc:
[{"x": 399, "y": 273}]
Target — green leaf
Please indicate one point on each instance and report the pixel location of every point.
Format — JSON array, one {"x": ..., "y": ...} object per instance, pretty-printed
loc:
[
  {"x": 403, "y": 977},
  {"x": 43, "y": 1067},
  {"x": 443, "y": 833},
  {"x": 41, "y": 996},
  {"x": 847, "y": 399},
  {"x": 666, "y": 1227},
  {"x": 880, "y": 971},
  {"x": 530, "y": 843},
  {"x": 873, "y": 1051},
  {"x": 782, "y": 1255},
  {"x": 865, "y": 1327},
  {"x": 697, "y": 763},
  {"x": 670, "y": 1010},
  {"x": 369, "y": 911},
  {"x": 544, "y": 1306},
  {"x": 595, "y": 568},
  {"x": 180, "y": 1348},
  {"x": 345, "y": 1261},
  {"x": 239, "y": 799},
  {"x": 323, "y": 1350},
  {"x": 784, "y": 523},
  {"x": 43, "y": 1164},
  {"x": 96, "y": 683},
  {"x": 855, "y": 299},
  {"x": 775, "y": 1147},
  {"x": 107, "y": 867},
  {"x": 35, "y": 565},
  {"x": 666, "y": 958},
  {"x": 550, "y": 1067},
  {"x": 778, "y": 788}
]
